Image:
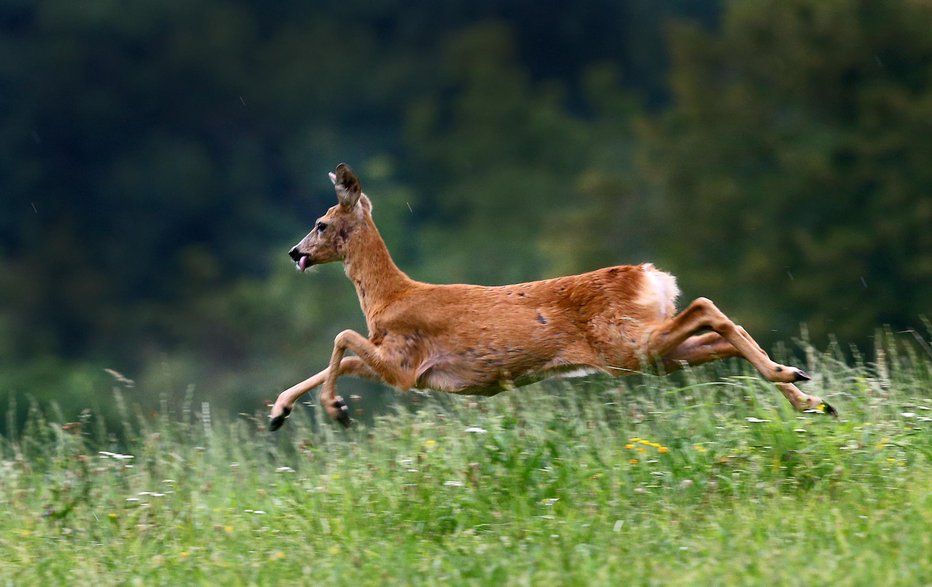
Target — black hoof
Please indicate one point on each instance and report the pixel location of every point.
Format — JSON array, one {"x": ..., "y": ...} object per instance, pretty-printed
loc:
[
  {"x": 343, "y": 416},
  {"x": 823, "y": 408},
  {"x": 276, "y": 422},
  {"x": 802, "y": 376}
]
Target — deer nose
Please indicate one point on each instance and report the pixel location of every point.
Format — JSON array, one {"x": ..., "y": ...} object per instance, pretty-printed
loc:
[{"x": 294, "y": 254}]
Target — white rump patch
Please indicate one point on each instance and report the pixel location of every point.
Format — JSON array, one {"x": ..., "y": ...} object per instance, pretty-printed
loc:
[{"x": 660, "y": 291}]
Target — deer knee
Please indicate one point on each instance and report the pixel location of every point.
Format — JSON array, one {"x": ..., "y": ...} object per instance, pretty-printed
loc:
[
  {"x": 703, "y": 306},
  {"x": 341, "y": 339},
  {"x": 710, "y": 316}
]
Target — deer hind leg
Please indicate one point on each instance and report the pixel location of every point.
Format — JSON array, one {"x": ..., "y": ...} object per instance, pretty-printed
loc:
[
  {"x": 703, "y": 348},
  {"x": 371, "y": 356},
  {"x": 287, "y": 399},
  {"x": 674, "y": 342},
  {"x": 703, "y": 315},
  {"x": 699, "y": 349}
]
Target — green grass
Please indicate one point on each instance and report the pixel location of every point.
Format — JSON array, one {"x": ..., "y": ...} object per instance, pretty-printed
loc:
[{"x": 630, "y": 482}]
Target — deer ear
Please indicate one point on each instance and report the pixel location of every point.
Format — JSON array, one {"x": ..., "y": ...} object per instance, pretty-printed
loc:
[
  {"x": 366, "y": 203},
  {"x": 346, "y": 185}
]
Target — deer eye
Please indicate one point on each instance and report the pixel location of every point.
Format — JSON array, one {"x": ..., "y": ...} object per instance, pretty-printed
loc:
[{"x": 321, "y": 226}]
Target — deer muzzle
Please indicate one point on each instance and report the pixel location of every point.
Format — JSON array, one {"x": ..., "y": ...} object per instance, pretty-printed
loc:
[{"x": 301, "y": 260}]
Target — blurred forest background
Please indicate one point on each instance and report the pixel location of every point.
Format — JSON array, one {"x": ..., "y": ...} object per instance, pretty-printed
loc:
[{"x": 158, "y": 160}]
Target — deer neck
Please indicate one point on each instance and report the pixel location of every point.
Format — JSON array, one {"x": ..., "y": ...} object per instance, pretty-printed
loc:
[{"x": 370, "y": 267}]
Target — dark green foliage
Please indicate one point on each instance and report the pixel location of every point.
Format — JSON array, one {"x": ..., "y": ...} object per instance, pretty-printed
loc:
[
  {"x": 156, "y": 163},
  {"x": 793, "y": 166}
]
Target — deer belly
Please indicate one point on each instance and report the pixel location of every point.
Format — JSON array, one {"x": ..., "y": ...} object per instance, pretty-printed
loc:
[
  {"x": 440, "y": 379},
  {"x": 471, "y": 375}
]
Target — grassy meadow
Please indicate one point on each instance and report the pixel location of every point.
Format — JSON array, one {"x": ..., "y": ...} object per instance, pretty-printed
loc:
[{"x": 703, "y": 478}]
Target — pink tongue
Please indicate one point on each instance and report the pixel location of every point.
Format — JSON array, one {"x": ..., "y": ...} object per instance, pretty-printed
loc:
[{"x": 302, "y": 262}]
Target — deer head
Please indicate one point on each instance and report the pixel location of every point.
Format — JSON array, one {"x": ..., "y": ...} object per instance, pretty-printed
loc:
[{"x": 328, "y": 240}]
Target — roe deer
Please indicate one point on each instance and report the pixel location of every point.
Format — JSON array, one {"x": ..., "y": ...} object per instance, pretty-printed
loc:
[{"x": 471, "y": 339}]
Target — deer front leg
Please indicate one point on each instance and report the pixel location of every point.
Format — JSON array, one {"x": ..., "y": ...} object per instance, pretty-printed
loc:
[
  {"x": 287, "y": 399},
  {"x": 372, "y": 357}
]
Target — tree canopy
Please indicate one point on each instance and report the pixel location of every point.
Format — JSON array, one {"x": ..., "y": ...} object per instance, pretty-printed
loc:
[{"x": 157, "y": 161}]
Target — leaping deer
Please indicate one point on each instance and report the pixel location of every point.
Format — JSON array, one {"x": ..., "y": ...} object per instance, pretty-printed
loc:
[{"x": 477, "y": 340}]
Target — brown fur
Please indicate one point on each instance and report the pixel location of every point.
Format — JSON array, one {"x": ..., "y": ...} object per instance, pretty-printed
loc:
[{"x": 479, "y": 340}]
